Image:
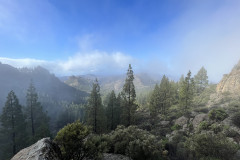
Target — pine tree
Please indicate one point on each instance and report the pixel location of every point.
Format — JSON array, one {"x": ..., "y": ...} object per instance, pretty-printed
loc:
[
  {"x": 186, "y": 91},
  {"x": 165, "y": 94},
  {"x": 129, "y": 97},
  {"x": 201, "y": 80},
  {"x": 111, "y": 111},
  {"x": 13, "y": 127},
  {"x": 118, "y": 109},
  {"x": 155, "y": 101},
  {"x": 95, "y": 112},
  {"x": 161, "y": 97},
  {"x": 174, "y": 92},
  {"x": 38, "y": 121}
]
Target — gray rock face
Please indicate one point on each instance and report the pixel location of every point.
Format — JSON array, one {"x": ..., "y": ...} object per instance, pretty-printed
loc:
[
  {"x": 230, "y": 82},
  {"x": 181, "y": 121},
  {"x": 44, "y": 149},
  {"x": 164, "y": 123},
  {"x": 107, "y": 156},
  {"x": 171, "y": 135},
  {"x": 198, "y": 119}
]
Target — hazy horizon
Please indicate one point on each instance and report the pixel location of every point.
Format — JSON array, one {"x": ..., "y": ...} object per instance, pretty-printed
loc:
[{"x": 102, "y": 38}]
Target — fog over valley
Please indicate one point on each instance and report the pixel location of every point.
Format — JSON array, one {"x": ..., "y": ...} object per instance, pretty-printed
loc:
[{"x": 120, "y": 80}]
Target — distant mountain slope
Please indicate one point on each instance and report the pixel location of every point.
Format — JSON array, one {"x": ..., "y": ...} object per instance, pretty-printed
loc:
[
  {"x": 80, "y": 83},
  {"x": 49, "y": 87},
  {"x": 142, "y": 82}
]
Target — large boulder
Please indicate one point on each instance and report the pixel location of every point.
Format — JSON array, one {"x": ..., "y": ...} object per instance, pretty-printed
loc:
[
  {"x": 181, "y": 121},
  {"x": 198, "y": 119},
  {"x": 108, "y": 156},
  {"x": 164, "y": 123},
  {"x": 44, "y": 149}
]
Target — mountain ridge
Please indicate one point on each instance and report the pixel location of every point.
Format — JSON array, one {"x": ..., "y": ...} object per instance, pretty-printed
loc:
[
  {"x": 48, "y": 86},
  {"x": 142, "y": 82}
]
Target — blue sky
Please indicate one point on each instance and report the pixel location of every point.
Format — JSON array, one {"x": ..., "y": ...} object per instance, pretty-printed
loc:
[{"x": 103, "y": 36}]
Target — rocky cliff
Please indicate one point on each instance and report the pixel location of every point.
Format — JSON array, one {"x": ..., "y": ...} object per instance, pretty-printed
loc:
[{"x": 230, "y": 82}]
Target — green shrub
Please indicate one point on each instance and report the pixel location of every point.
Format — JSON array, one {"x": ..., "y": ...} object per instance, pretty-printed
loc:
[
  {"x": 95, "y": 146},
  {"x": 217, "y": 114},
  {"x": 204, "y": 125},
  {"x": 216, "y": 146},
  {"x": 234, "y": 105},
  {"x": 176, "y": 147},
  {"x": 136, "y": 143},
  {"x": 236, "y": 119},
  {"x": 175, "y": 127},
  {"x": 76, "y": 142},
  {"x": 190, "y": 126},
  {"x": 216, "y": 128},
  {"x": 231, "y": 133}
]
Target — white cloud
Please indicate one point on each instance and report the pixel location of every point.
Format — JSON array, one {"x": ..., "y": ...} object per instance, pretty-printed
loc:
[
  {"x": 95, "y": 62},
  {"x": 25, "y": 62}
]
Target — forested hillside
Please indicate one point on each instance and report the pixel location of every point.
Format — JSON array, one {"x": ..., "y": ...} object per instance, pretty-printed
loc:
[
  {"x": 182, "y": 120},
  {"x": 50, "y": 89}
]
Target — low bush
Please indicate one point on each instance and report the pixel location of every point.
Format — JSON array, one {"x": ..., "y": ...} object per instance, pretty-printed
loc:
[
  {"x": 204, "y": 125},
  {"x": 216, "y": 128},
  {"x": 217, "y": 114},
  {"x": 135, "y": 143},
  {"x": 76, "y": 142},
  {"x": 216, "y": 146},
  {"x": 236, "y": 119},
  {"x": 175, "y": 127}
]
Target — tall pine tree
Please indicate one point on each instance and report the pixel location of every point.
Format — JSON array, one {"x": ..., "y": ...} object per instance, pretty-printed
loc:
[
  {"x": 155, "y": 101},
  {"x": 129, "y": 97},
  {"x": 95, "y": 111},
  {"x": 111, "y": 111},
  {"x": 201, "y": 80},
  {"x": 13, "y": 127},
  {"x": 38, "y": 121},
  {"x": 161, "y": 97},
  {"x": 186, "y": 91},
  {"x": 165, "y": 94}
]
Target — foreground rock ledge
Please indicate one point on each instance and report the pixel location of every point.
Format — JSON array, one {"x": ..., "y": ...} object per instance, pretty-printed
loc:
[{"x": 44, "y": 149}]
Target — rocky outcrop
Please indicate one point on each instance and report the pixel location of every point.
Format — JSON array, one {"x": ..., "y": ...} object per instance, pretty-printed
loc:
[
  {"x": 181, "y": 121},
  {"x": 198, "y": 119},
  {"x": 230, "y": 82},
  {"x": 107, "y": 156},
  {"x": 44, "y": 149},
  {"x": 164, "y": 123}
]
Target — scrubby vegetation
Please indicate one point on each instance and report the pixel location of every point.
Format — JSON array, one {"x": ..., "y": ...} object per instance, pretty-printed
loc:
[
  {"x": 218, "y": 114},
  {"x": 76, "y": 142},
  {"x": 210, "y": 146},
  {"x": 135, "y": 143}
]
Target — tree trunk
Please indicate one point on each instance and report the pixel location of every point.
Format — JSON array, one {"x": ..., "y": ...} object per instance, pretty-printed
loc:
[
  {"x": 32, "y": 122},
  {"x": 112, "y": 118}
]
